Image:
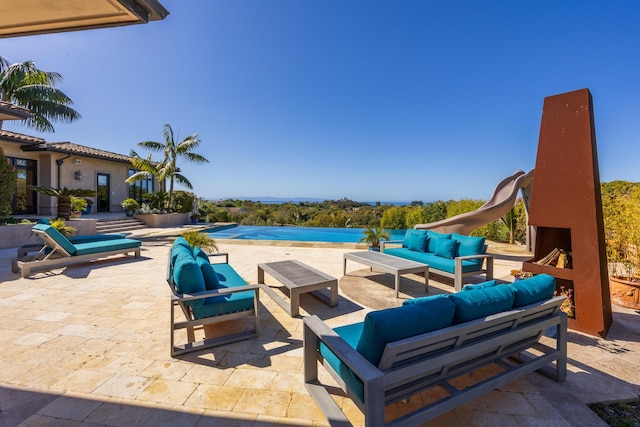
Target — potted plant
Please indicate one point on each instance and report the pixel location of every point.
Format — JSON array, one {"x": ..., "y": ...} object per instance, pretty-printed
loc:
[
  {"x": 372, "y": 236},
  {"x": 64, "y": 229},
  {"x": 520, "y": 275},
  {"x": 129, "y": 206},
  {"x": 194, "y": 218},
  {"x": 201, "y": 239},
  {"x": 621, "y": 212},
  {"x": 64, "y": 197},
  {"x": 78, "y": 204},
  {"x": 87, "y": 210}
]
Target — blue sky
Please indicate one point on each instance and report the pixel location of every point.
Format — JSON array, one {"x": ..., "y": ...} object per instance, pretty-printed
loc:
[{"x": 369, "y": 100}]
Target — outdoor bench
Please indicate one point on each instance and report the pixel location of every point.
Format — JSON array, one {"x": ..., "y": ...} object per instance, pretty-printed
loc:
[
  {"x": 400, "y": 352},
  {"x": 451, "y": 255},
  {"x": 207, "y": 294}
]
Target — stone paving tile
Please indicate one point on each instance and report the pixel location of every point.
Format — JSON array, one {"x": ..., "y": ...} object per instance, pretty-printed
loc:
[
  {"x": 70, "y": 408},
  {"x": 168, "y": 391},
  {"x": 125, "y": 386}
]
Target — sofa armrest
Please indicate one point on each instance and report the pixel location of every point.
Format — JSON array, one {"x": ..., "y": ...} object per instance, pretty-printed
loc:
[
  {"x": 315, "y": 330},
  {"x": 215, "y": 292},
  {"x": 219, "y": 254},
  {"x": 383, "y": 243},
  {"x": 487, "y": 257}
]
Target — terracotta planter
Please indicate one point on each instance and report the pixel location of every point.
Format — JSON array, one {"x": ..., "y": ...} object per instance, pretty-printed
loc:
[{"x": 624, "y": 292}]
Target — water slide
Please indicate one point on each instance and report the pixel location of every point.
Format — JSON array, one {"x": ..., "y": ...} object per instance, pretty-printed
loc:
[{"x": 503, "y": 198}]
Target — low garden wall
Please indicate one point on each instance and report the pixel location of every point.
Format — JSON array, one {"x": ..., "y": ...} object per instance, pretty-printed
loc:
[{"x": 20, "y": 234}]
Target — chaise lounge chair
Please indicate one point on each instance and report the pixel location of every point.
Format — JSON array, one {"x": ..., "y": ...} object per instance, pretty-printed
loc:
[{"x": 58, "y": 251}]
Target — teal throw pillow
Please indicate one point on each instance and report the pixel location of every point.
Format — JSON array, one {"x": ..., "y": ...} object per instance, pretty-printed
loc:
[
  {"x": 198, "y": 252},
  {"x": 393, "y": 324},
  {"x": 407, "y": 238},
  {"x": 188, "y": 277},
  {"x": 208, "y": 273},
  {"x": 446, "y": 248},
  {"x": 468, "y": 245},
  {"x": 535, "y": 289},
  {"x": 177, "y": 250},
  {"x": 480, "y": 303},
  {"x": 418, "y": 240},
  {"x": 433, "y": 239},
  {"x": 483, "y": 285},
  {"x": 181, "y": 241},
  {"x": 424, "y": 299}
]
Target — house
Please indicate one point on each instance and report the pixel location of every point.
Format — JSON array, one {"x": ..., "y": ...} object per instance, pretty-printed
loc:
[{"x": 65, "y": 164}]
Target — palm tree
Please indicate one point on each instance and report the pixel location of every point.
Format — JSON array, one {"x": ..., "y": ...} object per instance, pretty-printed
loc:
[
  {"x": 167, "y": 168},
  {"x": 64, "y": 197},
  {"x": 373, "y": 236},
  {"x": 25, "y": 85}
]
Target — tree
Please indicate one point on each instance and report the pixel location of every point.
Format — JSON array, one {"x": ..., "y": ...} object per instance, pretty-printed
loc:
[
  {"x": 64, "y": 197},
  {"x": 167, "y": 168},
  {"x": 25, "y": 85}
]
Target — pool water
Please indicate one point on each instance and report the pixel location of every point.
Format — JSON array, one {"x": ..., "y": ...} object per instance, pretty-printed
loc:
[{"x": 297, "y": 234}]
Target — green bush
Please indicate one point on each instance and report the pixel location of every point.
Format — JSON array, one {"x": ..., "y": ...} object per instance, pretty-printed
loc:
[{"x": 8, "y": 182}]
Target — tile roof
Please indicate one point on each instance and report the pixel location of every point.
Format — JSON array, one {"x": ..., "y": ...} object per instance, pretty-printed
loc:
[
  {"x": 20, "y": 137},
  {"x": 81, "y": 150},
  {"x": 9, "y": 111}
]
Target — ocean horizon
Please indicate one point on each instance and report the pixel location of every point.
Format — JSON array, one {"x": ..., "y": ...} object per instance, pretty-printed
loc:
[{"x": 280, "y": 200}]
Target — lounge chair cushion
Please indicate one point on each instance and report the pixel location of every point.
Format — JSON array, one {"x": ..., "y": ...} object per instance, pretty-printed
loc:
[
  {"x": 483, "y": 285},
  {"x": 424, "y": 299},
  {"x": 96, "y": 238},
  {"x": 468, "y": 245},
  {"x": 105, "y": 246},
  {"x": 479, "y": 303},
  {"x": 445, "y": 248},
  {"x": 188, "y": 277},
  {"x": 231, "y": 303},
  {"x": 418, "y": 240},
  {"x": 351, "y": 334},
  {"x": 534, "y": 289},
  {"x": 208, "y": 273},
  {"x": 393, "y": 324},
  {"x": 57, "y": 236}
]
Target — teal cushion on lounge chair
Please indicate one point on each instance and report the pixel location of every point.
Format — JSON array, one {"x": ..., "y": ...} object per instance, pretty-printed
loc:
[
  {"x": 418, "y": 240},
  {"x": 445, "y": 248},
  {"x": 208, "y": 273},
  {"x": 351, "y": 334},
  {"x": 468, "y": 245},
  {"x": 393, "y": 324},
  {"x": 483, "y": 285},
  {"x": 188, "y": 277},
  {"x": 230, "y": 303},
  {"x": 105, "y": 246},
  {"x": 424, "y": 299},
  {"x": 96, "y": 238},
  {"x": 433, "y": 240},
  {"x": 534, "y": 289},
  {"x": 57, "y": 237},
  {"x": 480, "y": 303}
]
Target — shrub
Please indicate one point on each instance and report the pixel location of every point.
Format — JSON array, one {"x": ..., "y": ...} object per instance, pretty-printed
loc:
[{"x": 8, "y": 183}]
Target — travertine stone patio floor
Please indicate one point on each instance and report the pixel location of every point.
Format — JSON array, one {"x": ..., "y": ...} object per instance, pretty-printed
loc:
[{"x": 88, "y": 345}]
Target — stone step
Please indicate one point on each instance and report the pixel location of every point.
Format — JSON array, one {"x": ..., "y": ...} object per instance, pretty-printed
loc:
[{"x": 118, "y": 225}]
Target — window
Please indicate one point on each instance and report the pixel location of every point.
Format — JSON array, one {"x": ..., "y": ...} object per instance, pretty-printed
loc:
[
  {"x": 24, "y": 200},
  {"x": 137, "y": 189}
]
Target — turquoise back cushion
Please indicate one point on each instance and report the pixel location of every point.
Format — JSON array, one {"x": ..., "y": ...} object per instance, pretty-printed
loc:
[
  {"x": 393, "y": 324},
  {"x": 407, "y": 237},
  {"x": 177, "y": 250},
  {"x": 479, "y": 303},
  {"x": 483, "y": 285},
  {"x": 198, "y": 252},
  {"x": 188, "y": 277},
  {"x": 208, "y": 273},
  {"x": 181, "y": 241},
  {"x": 537, "y": 288},
  {"x": 433, "y": 240},
  {"x": 418, "y": 240},
  {"x": 57, "y": 237},
  {"x": 468, "y": 245},
  {"x": 424, "y": 299},
  {"x": 445, "y": 248}
]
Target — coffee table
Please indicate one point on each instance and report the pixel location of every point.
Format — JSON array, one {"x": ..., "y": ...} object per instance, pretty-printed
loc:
[
  {"x": 299, "y": 278},
  {"x": 388, "y": 264}
]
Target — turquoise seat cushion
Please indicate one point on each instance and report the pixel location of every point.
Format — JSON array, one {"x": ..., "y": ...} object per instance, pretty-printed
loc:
[
  {"x": 445, "y": 248},
  {"x": 106, "y": 246},
  {"x": 57, "y": 237},
  {"x": 393, "y": 324},
  {"x": 468, "y": 245},
  {"x": 188, "y": 277},
  {"x": 418, "y": 240},
  {"x": 433, "y": 240},
  {"x": 351, "y": 334},
  {"x": 424, "y": 299},
  {"x": 534, "y": 289},
  {"x": 198, "y": 252},
  {"x": 483, "y": 285},
  {"x": 208, "y": 273},
  {"x": 480, "y": 303},
  {"x": 225, "y": 304}
]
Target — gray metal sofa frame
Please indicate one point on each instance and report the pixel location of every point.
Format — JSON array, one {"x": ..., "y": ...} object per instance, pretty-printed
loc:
[{"x": 418, "y": 363}]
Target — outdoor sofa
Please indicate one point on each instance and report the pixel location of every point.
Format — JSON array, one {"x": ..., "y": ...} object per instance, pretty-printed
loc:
[
  {"x": 207, "y": 294},
  {"x": 58, "y": 251},
  {"x": 427, "y": 342},
  {"x": 450, "y": 255}
]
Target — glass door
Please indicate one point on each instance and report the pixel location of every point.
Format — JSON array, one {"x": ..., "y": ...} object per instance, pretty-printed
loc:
[{"x": 103, "y": 192}]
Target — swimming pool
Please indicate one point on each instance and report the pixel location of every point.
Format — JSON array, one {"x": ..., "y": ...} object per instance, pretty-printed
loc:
[{"x": 297, "y": 234}]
